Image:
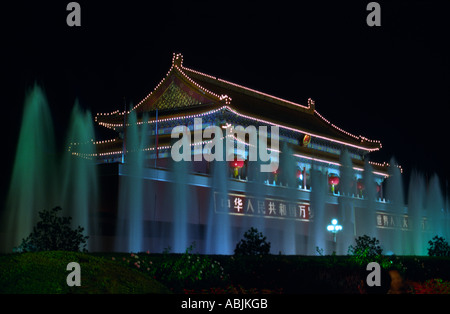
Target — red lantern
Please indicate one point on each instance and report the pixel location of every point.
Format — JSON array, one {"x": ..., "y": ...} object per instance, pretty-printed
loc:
[
  {"x": 333, "y": 181},
  {"x": 360, "y": 185},
  {"x": 306, "y": 139},
  {"x": 236, "y": 164},
  {"x": 275, "y": 174},
  {"x": 378, "y": 188},
  {"x": 299, "y": 173}
]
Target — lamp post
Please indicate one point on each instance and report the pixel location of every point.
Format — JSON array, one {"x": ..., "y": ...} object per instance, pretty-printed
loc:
[{"x": 334, "y": 228}]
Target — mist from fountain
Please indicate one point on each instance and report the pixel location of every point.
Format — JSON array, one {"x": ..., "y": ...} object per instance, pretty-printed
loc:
[
  {"x": 395, "y": 195},
  {"x": 435, "y": 206},
  {"x": 287, "y": 169},
  {"x": 369, "y": 208},
  {"x": 130, "y": 222},
  {"x": 316, "y": 227},
  {"x": 218, "y": 230},
  {"x": 346, "y": 203},
  {"x": 34, "y": 180},
  {"x": 43, "y": 179},
  {"x": 416, "y": 205},
  {"x": 257, "y": 189},
  {"x": 182, "y": 204},
  {"x": 80, "y": 179}
]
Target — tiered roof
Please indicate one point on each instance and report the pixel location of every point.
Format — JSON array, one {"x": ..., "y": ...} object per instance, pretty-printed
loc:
[{"x": 185, "y": 92}]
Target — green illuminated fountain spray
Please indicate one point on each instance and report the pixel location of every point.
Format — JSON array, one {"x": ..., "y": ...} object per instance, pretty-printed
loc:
[
  {"x": 79, "y": 173},
  {"x": 416, "y": 205},
  {"x": 131, "y": 188},
  {"x": 32, "y": 186},
  {"x": 41, "y": 180},
  {"x": 395, "y": 195}
]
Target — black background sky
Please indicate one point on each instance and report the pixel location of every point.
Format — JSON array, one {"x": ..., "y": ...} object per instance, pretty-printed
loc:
[{"x": 389, "y": 83}]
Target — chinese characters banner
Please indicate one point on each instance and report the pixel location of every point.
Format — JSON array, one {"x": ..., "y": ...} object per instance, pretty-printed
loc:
[
  {"x": 267, "y": 207},
  {"x": 387, "y": 220},
  {"x": 392, "y": 221}
]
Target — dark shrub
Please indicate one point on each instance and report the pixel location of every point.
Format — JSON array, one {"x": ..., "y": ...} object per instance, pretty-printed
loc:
[
  {"x": 366, "y": 246},
  {"x": 367, "y": 250},
  {"x": 438, "y": 247},
  {"x": 54, "y": 233},
  {"x": 253, "y": 243}
]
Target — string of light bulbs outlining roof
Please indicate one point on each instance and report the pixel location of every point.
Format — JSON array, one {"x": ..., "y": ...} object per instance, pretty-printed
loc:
[
  {"x": 177, "y": 63},
  {"x": 91, "y": 155},
  {"x": 199, "y": 115}
]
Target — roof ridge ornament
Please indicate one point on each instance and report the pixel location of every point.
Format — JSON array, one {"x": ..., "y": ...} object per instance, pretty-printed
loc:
[
  {"x": 225, "y": 98},
  {"x": 311, "y": 104},
  {"x": 177, "y": 60}
]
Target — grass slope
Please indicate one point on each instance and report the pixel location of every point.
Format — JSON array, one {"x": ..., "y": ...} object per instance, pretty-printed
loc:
[{"x": 45, "y": 272}]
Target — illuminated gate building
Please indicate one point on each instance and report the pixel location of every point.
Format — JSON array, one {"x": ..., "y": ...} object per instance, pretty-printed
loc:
[{"x": 150, "y": 202}]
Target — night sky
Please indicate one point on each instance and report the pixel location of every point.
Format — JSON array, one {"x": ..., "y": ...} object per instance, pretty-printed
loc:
[{"x": 389, "y": 83}]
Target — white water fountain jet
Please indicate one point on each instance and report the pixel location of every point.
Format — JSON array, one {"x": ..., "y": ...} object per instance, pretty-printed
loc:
[
  {"x": 182, "y": 205},
  {"x": 130, "y": 229},
  {"x": 33, "y": 185},
  {"x": 79, "y": 172},
  {"x": 394, "y": 193},
  {"x": 369, "y": 208},
  {"x": 416, "y": 205},
  {"x": 346, "y": 203},
  {"x": 289, "y": 193},
  {"x": 447, "y": 214},
  {"x": 435, "y": 207},
  {"x": 256, "y": 188},
  {"x": 316, "y": 228},
  {"x": 218, "y": 230}
]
